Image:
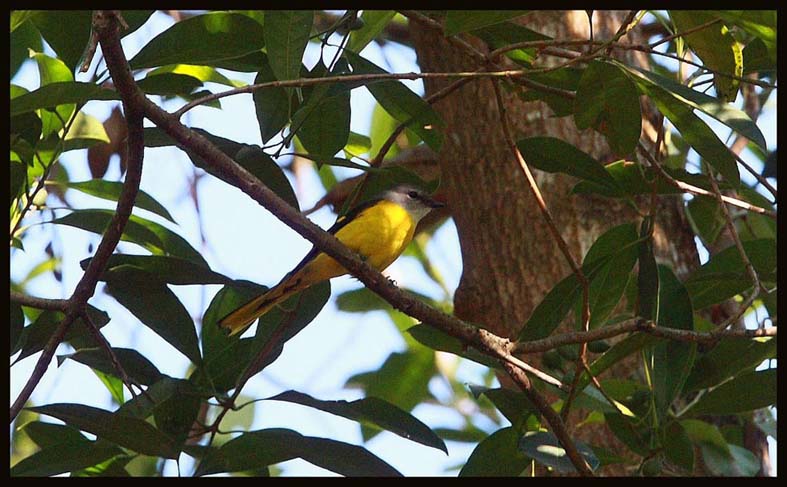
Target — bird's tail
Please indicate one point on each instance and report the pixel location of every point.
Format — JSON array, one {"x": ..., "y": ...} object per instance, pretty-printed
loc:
[{"x": 238, "y": 320}]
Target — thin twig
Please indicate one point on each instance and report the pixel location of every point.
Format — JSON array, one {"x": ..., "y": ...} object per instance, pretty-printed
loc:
[
  {"x": 756, "y": 284},
  {"x": 639, "y": 325},
  {"x": 104, "y": 344},
  {"x": 347, "y": 78},
  {"x": 690, "y": 188},
  {"x": 684, "y": 33},
  {"x": 251, "y": 369},
  {"x": 40, "y": 303},
  {"x": 554, "y": 420},
  {"x": 756, "y": 175},
  {"x": 555, "y": 233}
]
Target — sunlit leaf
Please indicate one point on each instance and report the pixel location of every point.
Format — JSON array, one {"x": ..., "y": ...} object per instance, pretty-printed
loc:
[
  {"x": 202, "y": 39},
  {"x": 544, "y": 448}
]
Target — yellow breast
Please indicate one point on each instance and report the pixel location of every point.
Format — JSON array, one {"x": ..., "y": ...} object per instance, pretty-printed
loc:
[{"x": 380, "y": 233}]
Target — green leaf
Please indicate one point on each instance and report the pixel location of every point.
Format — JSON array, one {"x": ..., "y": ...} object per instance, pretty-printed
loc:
[
  {"x": 700, "y": 432},
  {"x": 19, "y": 17},
  {"x": 438, "y": 340},
  {"x": 113, "y": 385},
  {"x": 256, "y": 449},
  {"x": 598, "y": 262},
  {"x": 514, "y": 405},
  {"x": 566, "y": 78},
  {"x": 374, "y": 21},
  {"x": 22, "y": 40},
  {"x": 226, "y": 358},
  {"x": 746, "y": 392},
  {"x": 271, "y": 104},
  {"x": 67, "y": 456},
  {"x": 403, "y": 379},
  {"x": 615, "y": 354},
  {"x": 326, "y": 126},
  {"x": 609, "y": 281},
  {"x": 725, "y": 113},
  {"x": 66, "y": 31},
  {"x": 730, "y": 357},
  {"x": 458, "y": 21},
  {"x": 718, "y": 456},
  {"x": 608, "y": 101},
  {"x": 49, "y": 434},
  {"x": 37, "y": 334},
  {"x": 544, "y": 448},
  {"x": 759, "y": 59},
  {"x": 110, "y": 190},
  {"x": 371, "y": 411},
  {"x": 507, "y": 33},
  {"x": 169, "y": 84},
  {"x": 125, "y": 431},
  {"x": 136, "y": 365},
  {"x": 60, "y": 93},
  {"x": 706, "y": 217},
  {"x": 357, "y": 145},
  {"x": 672, "y": 359},
  {"x": 201, "y": 73},
  {"x": 203, "y": 39},
  {"x": 173, "y": 403},
  {"x": 693, "y": 129},
  {"x": 85, "y": 132},
  {"x": 632, "y": 432},
  {"x": 716, "y": 46},
  {"x": 27, "y": 127},
  {"x": 497, "y": 455},
  {"x": 382, "y": 126},
  {"x": 251, "y": 157},
  {"x": 725, "y": 276},
  {"x": 172, "y": 270},
  {"x": 286, "y": 35},
  {"x": 401, "y": 103},
  {"x": 648, "y": 275},
  {"x": 677, "y": 447},
  {"x": 553, "y": 155},
  {"x": 16, "y": 325},
  {"x": 114, "y": 468},
  {"x": 157, "y": 308},
  {"x": 261, "y": 165},
  {"x": 148, "y": 234},
  {"x": 53, "y": 70}
]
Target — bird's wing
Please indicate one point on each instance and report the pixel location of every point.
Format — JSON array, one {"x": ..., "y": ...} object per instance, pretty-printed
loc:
[{"x": 338, "y": 225}]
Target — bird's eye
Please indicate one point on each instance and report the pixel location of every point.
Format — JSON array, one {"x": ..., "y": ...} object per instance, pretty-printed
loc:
[{"x": 412, "y": 194}]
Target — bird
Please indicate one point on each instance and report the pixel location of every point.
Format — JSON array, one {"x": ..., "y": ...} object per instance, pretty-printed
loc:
[{"x": 379, "y": 230}]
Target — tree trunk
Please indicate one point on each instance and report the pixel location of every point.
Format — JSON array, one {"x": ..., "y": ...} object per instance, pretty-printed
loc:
[{"x": 510, "y": 259}]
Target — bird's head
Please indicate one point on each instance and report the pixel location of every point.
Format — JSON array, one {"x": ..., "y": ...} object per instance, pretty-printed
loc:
[{"x": 413, "y": 199}]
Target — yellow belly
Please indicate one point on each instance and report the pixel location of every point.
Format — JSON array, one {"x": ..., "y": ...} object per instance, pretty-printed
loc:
[{"x": 379, "y": 233}]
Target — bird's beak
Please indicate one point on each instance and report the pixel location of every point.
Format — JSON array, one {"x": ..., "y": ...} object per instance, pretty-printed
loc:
[{"x": 433, "y": 203}]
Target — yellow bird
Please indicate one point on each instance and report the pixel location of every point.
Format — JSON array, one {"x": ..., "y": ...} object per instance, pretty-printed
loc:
[{"x": 379, "y": 230}]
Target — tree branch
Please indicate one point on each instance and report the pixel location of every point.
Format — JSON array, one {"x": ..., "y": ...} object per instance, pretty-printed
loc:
[
  {"x": 690, "y": 188},
  {"x": 639, "y": 325},
  {"x": 40, "y": 303},
  {"x": 105, "y": 23}
]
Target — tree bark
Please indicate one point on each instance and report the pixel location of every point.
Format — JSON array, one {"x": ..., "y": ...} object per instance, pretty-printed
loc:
[{"x": 510, "y": 259}]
